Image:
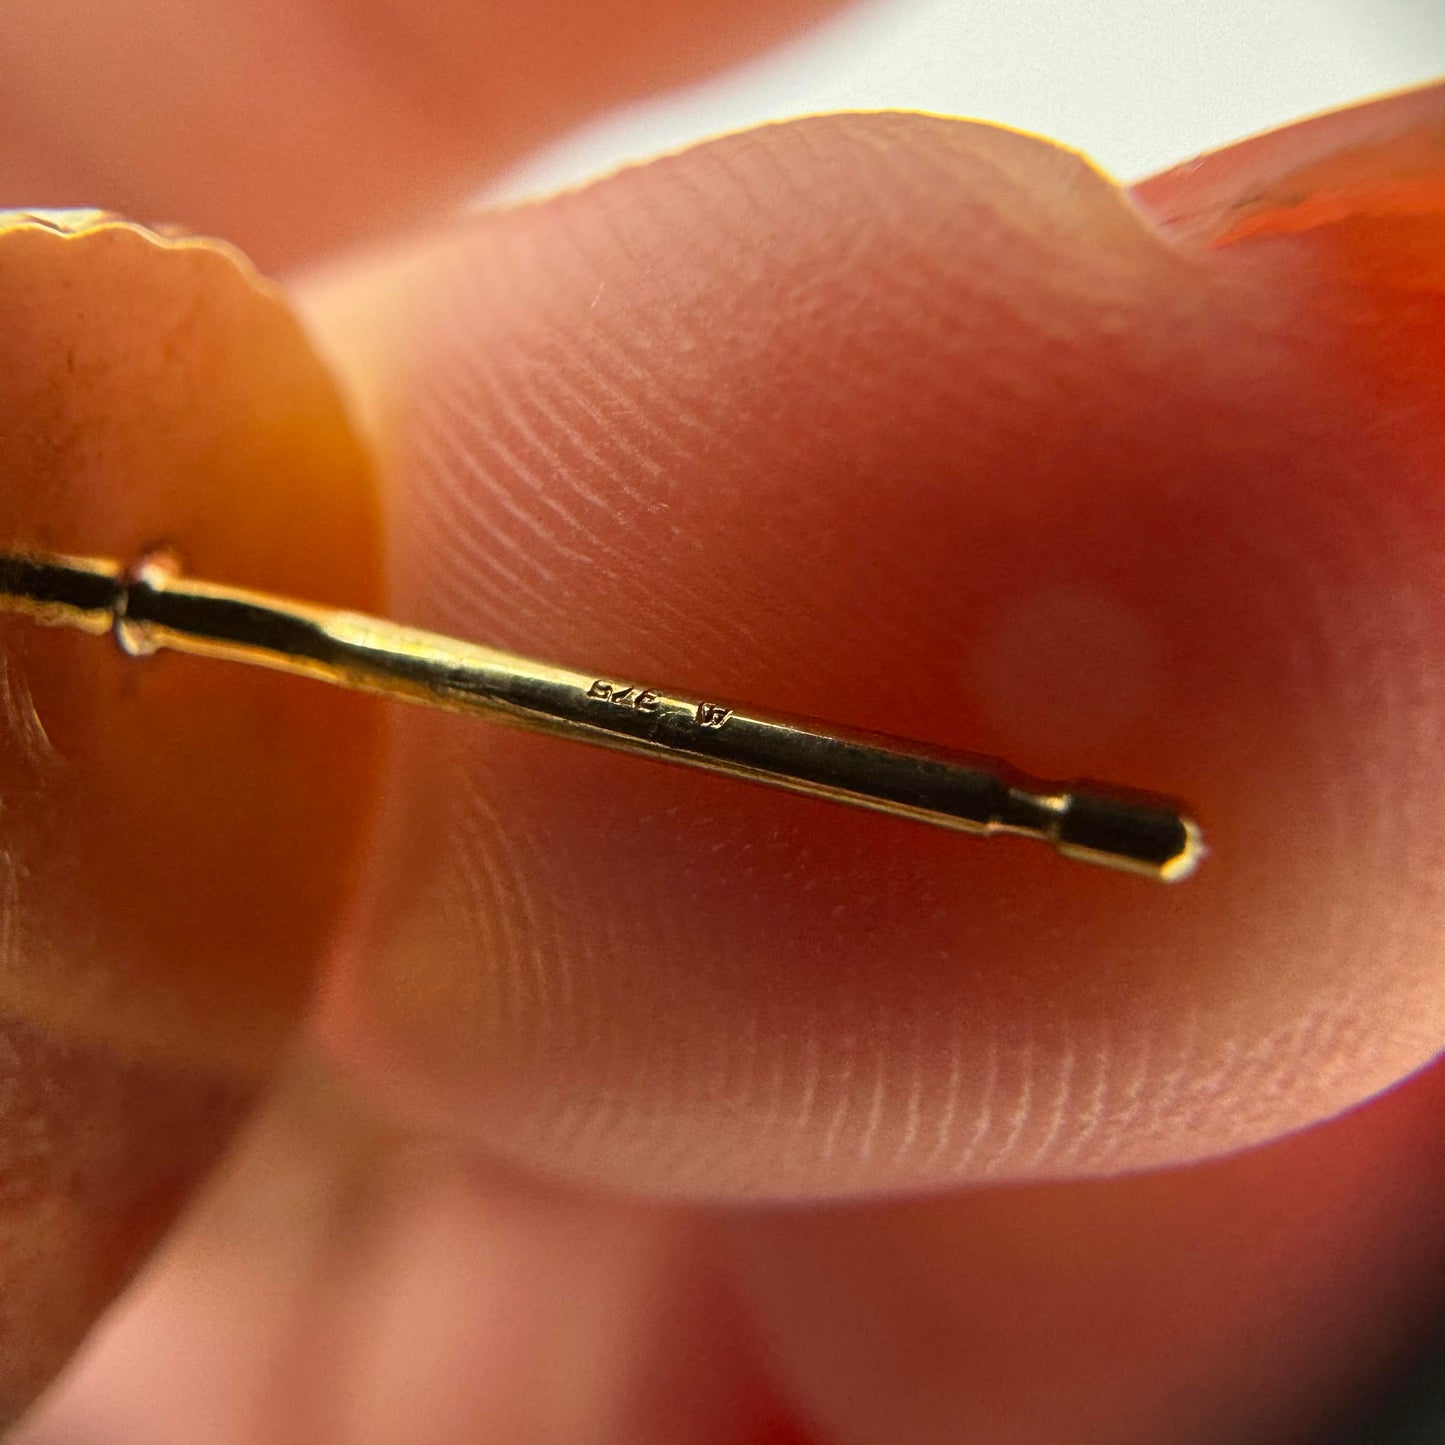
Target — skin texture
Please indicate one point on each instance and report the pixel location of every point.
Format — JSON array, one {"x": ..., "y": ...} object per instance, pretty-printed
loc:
[
  {"x": 919, "y": 426},
  {"x": 903, "y": 422}
]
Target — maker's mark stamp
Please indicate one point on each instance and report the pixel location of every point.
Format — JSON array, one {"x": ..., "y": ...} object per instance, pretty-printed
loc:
[{"x": 712, "y": 714}]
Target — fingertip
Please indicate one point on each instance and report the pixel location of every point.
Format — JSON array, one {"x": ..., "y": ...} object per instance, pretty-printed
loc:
[
  {"x": 176, "y": 839},
  {"x": 916, "y": 426}
]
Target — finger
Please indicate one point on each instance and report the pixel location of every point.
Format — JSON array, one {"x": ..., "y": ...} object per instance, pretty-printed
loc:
[
  {"x": 919, "y": 426},
  {"x": 339, "y": 1284},
  {"x": 97, "y": 1152},
  {"x": 291, "y": 127},
  {"x": 1267, "y": 1297},
  {"x": 1261, "y": 1298},
  {"x": 1377, "y": 159},
  {"x": 470, "y": 1304},
  {"x": 169, "y": 870},
  {"x": 194, "y": 1350}
]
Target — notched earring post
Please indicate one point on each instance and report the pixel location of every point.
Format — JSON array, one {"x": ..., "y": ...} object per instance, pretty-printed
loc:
[{"x": 150, "y": 606}]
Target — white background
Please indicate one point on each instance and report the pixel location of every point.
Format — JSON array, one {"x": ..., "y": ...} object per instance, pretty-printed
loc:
[{"x": 1136, "y": 84}]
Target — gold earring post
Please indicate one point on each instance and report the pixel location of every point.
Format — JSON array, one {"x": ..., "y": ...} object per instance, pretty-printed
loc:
[{"x": 150, "y": 607}]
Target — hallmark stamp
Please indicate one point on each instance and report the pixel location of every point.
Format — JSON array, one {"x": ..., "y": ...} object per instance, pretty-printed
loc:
[
  {"x": 638, "y": 698},
  {"x": 712, "y": 714}
]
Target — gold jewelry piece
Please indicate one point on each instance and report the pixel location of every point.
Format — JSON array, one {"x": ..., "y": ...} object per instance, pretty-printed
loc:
[{"x": 149, "y": 607}]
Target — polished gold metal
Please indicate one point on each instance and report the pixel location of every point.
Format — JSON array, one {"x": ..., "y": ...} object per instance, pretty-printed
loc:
[{"x": 149, "y": 607}]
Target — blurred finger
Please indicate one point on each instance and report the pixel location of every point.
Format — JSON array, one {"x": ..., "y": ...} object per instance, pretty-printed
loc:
[
  {"x": 341, "y": 1285},
  {"x": 195, "y": 1349},
  {"x": 97, "y": 1152},
  {"x": 1266, "y": 1298},
  {"x": 1377, "y": 160},
  {"x": 338, "y": 1287},
  {"x": 293, "y": 126}
]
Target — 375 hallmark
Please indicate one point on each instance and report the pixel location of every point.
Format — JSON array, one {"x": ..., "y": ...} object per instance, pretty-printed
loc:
[{"x": 639, "y": 699}]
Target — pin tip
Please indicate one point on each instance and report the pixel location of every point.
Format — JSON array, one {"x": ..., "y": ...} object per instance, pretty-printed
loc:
[
  {"x": 1190, "y": 855},
  {"x": 1145, "y": 838}
]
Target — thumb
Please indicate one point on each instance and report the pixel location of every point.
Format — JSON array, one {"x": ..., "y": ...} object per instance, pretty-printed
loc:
[{"x": 919, "y": 426}]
